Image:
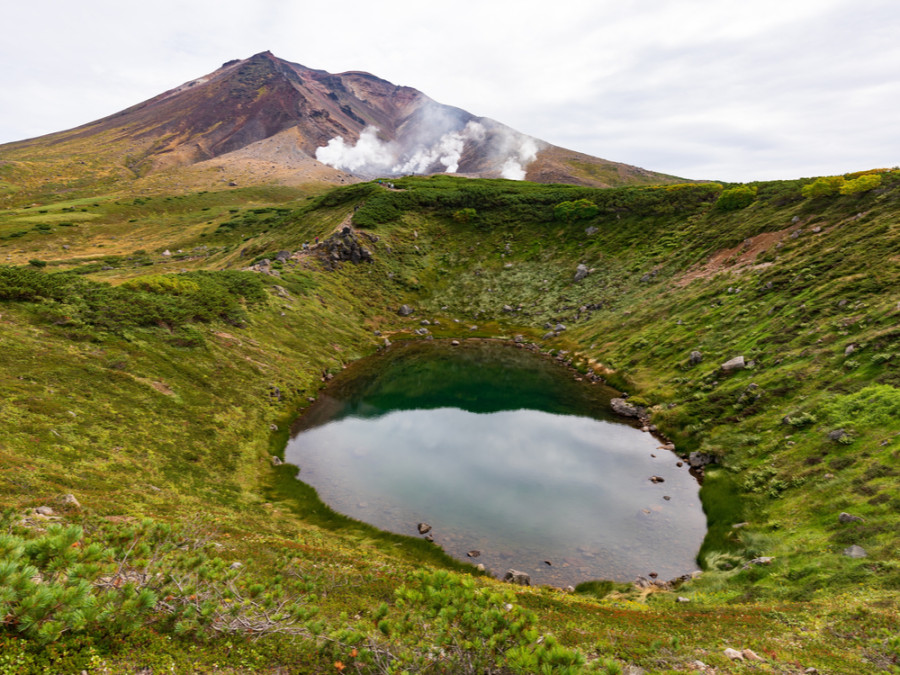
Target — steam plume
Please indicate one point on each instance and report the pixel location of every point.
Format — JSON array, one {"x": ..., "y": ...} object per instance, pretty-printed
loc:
[{"x": 434, "y": 141}]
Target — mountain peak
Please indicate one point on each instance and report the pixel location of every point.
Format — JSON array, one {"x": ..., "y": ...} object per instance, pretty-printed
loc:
[{"x": 353, "y": 121}]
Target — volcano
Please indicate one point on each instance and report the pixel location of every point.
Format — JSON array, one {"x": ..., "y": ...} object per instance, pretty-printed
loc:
[{"x": 284, "y": 118}]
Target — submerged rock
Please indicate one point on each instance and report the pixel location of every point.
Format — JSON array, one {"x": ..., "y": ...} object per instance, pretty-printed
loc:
[{"x": 423, "y": 528}]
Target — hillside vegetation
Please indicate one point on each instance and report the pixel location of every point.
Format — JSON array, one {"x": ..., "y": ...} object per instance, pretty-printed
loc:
[{"x": 154, "y": 350}]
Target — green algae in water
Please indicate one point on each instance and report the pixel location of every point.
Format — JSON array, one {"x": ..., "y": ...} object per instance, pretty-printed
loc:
[{"x": 502, "y": 452}]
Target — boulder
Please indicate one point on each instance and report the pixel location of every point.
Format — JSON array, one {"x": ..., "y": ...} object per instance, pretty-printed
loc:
[
  {"x": 282, "y": 255},
  {"x": 695, "y": 357},
  {"x": 517, "y": 577},
  {"x": 622, "y": 407},
  {"x": 737, "y": 363},
  {"x": 733, "y": 654},
  {"x": 69, "y": 500},
  {"x": 698, "y": 460},
  {"x": 855, "y": 552},
  {"x": 405, "y": 310},
  {"x": 837, "y": 435},
  {"x": 423, "y": 528}
]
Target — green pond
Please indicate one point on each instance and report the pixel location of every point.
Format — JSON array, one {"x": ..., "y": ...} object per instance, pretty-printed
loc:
[{"x": 505, "y": 453}]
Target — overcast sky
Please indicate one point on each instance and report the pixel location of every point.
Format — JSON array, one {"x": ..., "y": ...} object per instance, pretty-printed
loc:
[{"x": 721, "y": 89}]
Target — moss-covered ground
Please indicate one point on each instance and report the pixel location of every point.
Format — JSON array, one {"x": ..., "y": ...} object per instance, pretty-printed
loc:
[{"x": 147, "y": 388}]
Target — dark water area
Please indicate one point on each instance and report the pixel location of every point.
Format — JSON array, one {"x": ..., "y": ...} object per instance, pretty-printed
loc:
[{"x": 502, "y": 452}]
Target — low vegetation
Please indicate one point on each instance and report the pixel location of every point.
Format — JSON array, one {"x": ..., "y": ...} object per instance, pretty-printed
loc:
[{"x": 151, "y": 373}]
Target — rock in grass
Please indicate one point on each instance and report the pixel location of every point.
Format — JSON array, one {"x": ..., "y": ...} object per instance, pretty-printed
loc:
[
  {"x": 69, "y": 500},
  {"x": 848, "y": 518},
  {"x": 695, "y": 357},
  {"x": 855, "y": 552},
  {"x": 44, "y": 511},
  {"x": 737, "y": 363},
  {"x": 750, "y": 655},
  {"x": 733, "y": 654},
  {"x": 581, "y": 272},
  {"x": 405, "y": 310},
  {"x": 517, "y": 577},
  {"x": 622, "y": 407}
]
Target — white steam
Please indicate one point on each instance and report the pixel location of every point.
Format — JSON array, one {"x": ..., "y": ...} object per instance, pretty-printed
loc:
[
  {"x": 431, "y": 148},
  {"x": 516, "y": 164}
]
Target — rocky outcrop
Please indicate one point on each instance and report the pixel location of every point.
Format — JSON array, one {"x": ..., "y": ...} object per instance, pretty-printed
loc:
[{"x": 344, "y": 246}]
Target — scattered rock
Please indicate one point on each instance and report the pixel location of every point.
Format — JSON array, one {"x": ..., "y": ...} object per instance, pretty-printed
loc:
[
  {"x": 762, "y": 560},
  {"x": 847, "y": 518},
  {"x": 44, "y": 511},
  {"x": 591, "y": 231},
  {"x": 622, "y": 407},
  {"x": 69, "y": 500},
  {"x": 282, "y": 255},
  {"x": 429, "y": 538},
  {"x": 519, "y": 339},
  {"x": 681, "y": 598},
  {"x": 750, "y": 655},
  {"x": 852, "y": 347},
  {"x": 581, "y": 272},
  {"x": 235, "y": 565},
  {"x": 737, "y": 363},
  {"x": 517, "y": 577},
  {"x": 698, "y": 460},
  {"x": 695, "y": 357},
  {"x": 657, "y": 479},
  {"x": 273, "y": 427},
  {"x": 837, "y": 435},
  {"x": 405, "y": 310},
  {"x": 423, "y": 528},
  {"x": 345, "y": 246},
  {"x": 276, "y": 461},
  {"x": 455, "y": 343},
  {"x": 474, "y": 553},
  {"x": 733, "y": 654},
  {"x": 855, "y": 552}
]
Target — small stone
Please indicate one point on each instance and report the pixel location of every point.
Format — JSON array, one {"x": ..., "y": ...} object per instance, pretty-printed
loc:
[
  {"x": 404, "y": 310},
  {"x": 667, "y": 498},
  {"x": 681, "y": 598},
  {"x": 44, "y": 511},
  {"x": 69, "y": 500},
  {"x": 548, "y": 563},
  {"x": 855, "y": 552},
  {"x": 455, "y": 343},
  {"x": 276, "y": 461},
  {"x": 653, "y": 575},
  {"x": 569, "y": 589},
  {"x": 429, "y": 537},
  {"x": 733, "y": 654},
  {"x": 474, "y": 553},
  {"x": 695, "y": 358},
  {"x": 423, "y": 528},
  {"x": 517, "y": 577},
  {"x": 657, "y": 479},
  {"x": 480, "y": 567},
  {"x": 273, "y": 427},
  {"x": 847, "y": 518},
  {"x": 235, "y": 566},
  {"x": 750, "y": 655},
  {"x": 737, "y": 363}
]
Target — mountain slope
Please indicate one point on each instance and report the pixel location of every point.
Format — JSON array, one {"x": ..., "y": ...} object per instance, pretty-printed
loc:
[{"x": 354, "y": 122}]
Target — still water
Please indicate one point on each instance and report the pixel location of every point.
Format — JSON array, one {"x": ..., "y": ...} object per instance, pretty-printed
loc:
[{"x": 502, "y": 452}]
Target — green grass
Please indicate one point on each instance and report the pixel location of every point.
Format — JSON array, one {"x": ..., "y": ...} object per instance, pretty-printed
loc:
[{"x": 147, "y": 391}]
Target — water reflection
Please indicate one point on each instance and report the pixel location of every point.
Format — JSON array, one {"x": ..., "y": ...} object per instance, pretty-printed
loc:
[{"x": 523, "y": 486}]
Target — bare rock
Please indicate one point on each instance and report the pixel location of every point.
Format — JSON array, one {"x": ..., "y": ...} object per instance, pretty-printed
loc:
[
  {"x": 276, "y": 461},
  {"x": 733, "y": 654},
  {"x": 581, "y": 272},
  {"x": 474, "y": 553},
  {"x": 235, "y": 565},
  {"x": 847, "y": 518},
  {"x": 404, "y": 310},
  {"x": 657, "y": 479},
  {"x": 44, "y": 511},
  {"x": 855, "y": 552},
  {"x": 695, "y": 357},
  {"x": 423, "y": 528},
  {"x": 737, "y": 363},
  {"x": 750, "y": 655},
  {"x": 517, "y": 577},
  {"x": 69, "y": 500},
  {"x": 622, "y": 407}
]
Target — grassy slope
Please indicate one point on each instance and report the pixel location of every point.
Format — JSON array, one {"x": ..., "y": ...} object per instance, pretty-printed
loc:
[{"x": 136, "y": 425}]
